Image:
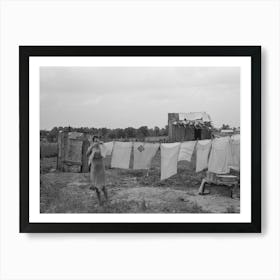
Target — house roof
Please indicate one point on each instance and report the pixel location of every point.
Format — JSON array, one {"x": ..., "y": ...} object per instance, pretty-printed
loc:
[
  {"x": 196, "y": 119},
  {"x": 227, "y": 130},
  {"x": 192, "y": 116}
]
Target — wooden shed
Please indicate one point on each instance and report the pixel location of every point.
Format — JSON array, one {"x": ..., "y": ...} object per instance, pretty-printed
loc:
[
  {"x": 189, "y": 126},
  {"x": 72, "y": 148}
]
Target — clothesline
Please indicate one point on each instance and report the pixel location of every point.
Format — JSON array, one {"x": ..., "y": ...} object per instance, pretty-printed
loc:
[
  {"x": 160, "y": 143},
  {"x": 219, "y": 155}
]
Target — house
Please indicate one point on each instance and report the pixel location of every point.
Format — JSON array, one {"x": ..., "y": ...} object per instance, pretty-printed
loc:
[
  {"x": 237, "y": 130},
  {"x": 227, "y": 132},
  {"x": 189, "y": 126}
]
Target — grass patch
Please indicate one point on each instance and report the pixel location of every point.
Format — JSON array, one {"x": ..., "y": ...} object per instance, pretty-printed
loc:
[{"x": 48, "y": 150}]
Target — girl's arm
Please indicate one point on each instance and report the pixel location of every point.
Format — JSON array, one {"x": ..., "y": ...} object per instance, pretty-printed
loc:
[{"x": 89, "y": 150}]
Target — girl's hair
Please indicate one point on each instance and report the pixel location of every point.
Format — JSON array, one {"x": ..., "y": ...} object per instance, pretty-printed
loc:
[{"x": 94, "y": 137}]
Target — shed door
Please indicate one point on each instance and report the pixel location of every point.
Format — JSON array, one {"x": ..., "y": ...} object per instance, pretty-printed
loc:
[{"x": 73, "y": 153}]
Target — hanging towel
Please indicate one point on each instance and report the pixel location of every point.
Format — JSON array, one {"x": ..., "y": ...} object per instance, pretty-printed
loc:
[
  {"x": 235, "y": 152},
  {"x": 186, "y": 150},
  {"x": 109, "y": 148},
  {"x": 220, "y": 156},
  {"x": 202, "y": 152},
  {"x": 121, "y": 155},
  {"x": 143, "y": 154},
  {"x": 169, "y": 159}
]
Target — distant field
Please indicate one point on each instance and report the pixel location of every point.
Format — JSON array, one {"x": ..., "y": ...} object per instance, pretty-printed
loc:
[
  {"x": 131, "y": 191},
  {"x": 48, "y": 150}
]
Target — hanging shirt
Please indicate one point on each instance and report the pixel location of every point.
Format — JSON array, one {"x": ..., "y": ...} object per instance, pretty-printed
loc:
[
  {"x": 121, "y": 155},
  {"x": 109, "y": 148},
  {"x": 202, "y": 153},
  {"x": 186, "y": 150},
  {"x": 235, "y": 152},
  {"x": 220, "y": 156},
  {"x": 143, "y": 154},
  {"x": 169, "y": 158}
]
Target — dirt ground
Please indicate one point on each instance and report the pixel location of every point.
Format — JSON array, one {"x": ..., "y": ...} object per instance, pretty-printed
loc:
[{"x": 132, "y": 191}]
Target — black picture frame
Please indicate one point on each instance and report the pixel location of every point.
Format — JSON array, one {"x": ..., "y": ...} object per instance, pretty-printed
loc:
[{"x": 25, "y": 52}]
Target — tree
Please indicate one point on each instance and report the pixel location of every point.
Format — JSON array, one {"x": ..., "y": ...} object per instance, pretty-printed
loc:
[
  {"x": 52, "y": 135},
  {"x": 142, "y": 131},
  {"x": 120, "y": 133},
  {"x": 130, "y": 132},
  {"x": 156, "y": 130},
  {"x": 104, "y": 131},
  {"x": 225, "y": 126},
  {"x": 151, "y": 132},
  {"x": 112, "y": 134},
  {"x": 43, "y": 133},
  {"x": 164, "y": 131},
  {"x": 93, "y": 131}
]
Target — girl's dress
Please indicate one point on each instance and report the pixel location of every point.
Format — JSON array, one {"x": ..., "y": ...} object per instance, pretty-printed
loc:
[{"x": 97, "y": 169}]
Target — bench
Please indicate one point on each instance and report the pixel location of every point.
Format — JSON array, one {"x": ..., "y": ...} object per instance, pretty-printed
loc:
[{"x": 230, "y": 181}]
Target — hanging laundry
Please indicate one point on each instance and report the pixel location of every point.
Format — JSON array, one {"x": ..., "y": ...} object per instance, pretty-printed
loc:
[
  {"x": 103, "y": 149},
  {"x": 121, "y": 155},
  {"x": 143, "y": 154},
  {"x": 186, "y": 150},
  {"x": 109, "y": 148},
  {"x": 220, "y": 156},
  {"x": 202, "y": 153},
  {"x": 235, "y": 152},
  {"x": 169, "y": 159}
]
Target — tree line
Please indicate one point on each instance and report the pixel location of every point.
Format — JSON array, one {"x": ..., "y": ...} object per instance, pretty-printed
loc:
[
  {"x": 117, "y": 133},
  {"x": 107, "y": 133}
]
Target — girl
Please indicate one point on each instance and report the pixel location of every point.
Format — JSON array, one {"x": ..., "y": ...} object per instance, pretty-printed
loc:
[{"x": 97, "y": 169}]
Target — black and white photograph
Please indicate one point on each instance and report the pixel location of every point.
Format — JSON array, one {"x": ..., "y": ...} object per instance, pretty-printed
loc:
[{"x": 140, "y": 140}]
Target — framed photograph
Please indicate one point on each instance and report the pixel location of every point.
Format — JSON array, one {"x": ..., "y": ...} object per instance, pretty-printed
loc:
[{"x": 140, "y": 139}]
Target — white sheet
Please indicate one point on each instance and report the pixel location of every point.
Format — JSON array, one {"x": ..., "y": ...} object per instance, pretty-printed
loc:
[
  {"x": 143, "y": 154},
  {"x": 202, "y": 154},
  {"x": 121, "y": 155},
  {"x": 169, "y": 159},
  {"x": 109, "y": 148},
  {"x": 220, "y": 156},
  {"x": 235, "y": 152},
  {"x": 186, "y": 150}
]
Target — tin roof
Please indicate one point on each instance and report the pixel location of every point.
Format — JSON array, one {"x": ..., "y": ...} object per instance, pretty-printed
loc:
[{"x": 192, "y": 116}]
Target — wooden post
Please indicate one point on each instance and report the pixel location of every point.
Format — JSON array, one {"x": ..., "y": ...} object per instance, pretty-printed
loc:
[
  {"x": 61, "y": 150},
  {"x": 59, "y": 144},
  {"x": 64, "y": 151},
  {"x": 202, "y": 186},
  {"x": 85, "y": 167}
]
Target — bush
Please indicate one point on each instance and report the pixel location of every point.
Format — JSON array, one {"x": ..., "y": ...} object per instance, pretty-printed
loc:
[{"x": 48, "y": 150}]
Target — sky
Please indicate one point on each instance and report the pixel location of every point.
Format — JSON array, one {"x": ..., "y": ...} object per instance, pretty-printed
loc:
[{"x": 119, "y": 97}]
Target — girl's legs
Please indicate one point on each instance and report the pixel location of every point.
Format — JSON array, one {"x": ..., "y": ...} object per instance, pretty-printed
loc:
[
  {"x": 93, "y": 188},
  {"x": 105, "y": 192},
  {"x": 98, "y": 196}
]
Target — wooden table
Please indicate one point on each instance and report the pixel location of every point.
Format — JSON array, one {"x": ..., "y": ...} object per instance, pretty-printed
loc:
[{"x": 230, "y": 181}]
